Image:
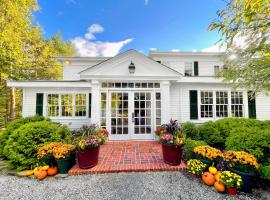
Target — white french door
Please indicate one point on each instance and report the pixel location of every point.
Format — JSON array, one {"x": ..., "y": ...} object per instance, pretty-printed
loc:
[{"x": 131, "y": 115}]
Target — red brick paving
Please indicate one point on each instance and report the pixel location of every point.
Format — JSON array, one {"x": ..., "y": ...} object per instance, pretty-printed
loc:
[{"x": 130, "y": 156}]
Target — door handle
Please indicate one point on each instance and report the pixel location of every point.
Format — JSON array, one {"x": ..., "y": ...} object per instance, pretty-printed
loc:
[{"x": 133, "y": 115}]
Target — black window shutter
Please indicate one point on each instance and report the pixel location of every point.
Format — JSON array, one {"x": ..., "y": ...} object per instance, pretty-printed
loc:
[
  {"x": 90, "y": 104},
  {"x": 39, "y": 104},
  {"x": 251, "y": 105},
  {"x": 193, "y": 101},
  {"x": 196, "y": 68}
]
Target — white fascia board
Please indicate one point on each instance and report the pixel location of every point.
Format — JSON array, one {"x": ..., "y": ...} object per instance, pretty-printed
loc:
[
  {"x": 126, "y": 78},
  {"x": 200, "y": 79},
  {"x": 51, "y": 84}
]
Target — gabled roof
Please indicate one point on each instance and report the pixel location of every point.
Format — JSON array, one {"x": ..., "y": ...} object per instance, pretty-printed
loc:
[{"x": 117, "y": 67}]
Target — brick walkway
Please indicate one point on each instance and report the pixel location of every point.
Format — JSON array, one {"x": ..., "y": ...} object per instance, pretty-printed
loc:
[{"x": 131, "y": 156}]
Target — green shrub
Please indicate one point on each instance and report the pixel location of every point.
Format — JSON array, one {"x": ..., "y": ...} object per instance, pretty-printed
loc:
[
  {"x": 189, "y": 147},
  {"x": 191, "y": 130},
  {"x": 22, "y": 145},
  {"x": 209, "y": 133},
  {"x": 265, "y": 172},
  {"x": 254, "y": 140}
]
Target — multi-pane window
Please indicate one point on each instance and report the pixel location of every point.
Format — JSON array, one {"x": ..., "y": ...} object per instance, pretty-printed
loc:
[
  {"x": 103, "y": 108},
  {"x": 158, "y": 109},
  {"x": 216, "y": 69},
  {"x": 66, "y": 105},
  {"x": 188, "y": 68},
  {"x": 206, "y": 104},
  {"x": 130, "y": 85},
  {"x": 237, "y": 104},
  {"x": 53, "y": 105},
  {"x": 221, "y": 104},
  {"x": 80, "y": 105}
]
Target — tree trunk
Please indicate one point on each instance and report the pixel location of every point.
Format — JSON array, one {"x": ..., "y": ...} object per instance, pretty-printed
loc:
[{"x": 12, "y": 104}]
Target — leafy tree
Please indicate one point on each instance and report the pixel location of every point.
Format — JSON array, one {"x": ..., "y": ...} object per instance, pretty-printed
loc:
[
  {"x": 24, "y": 53},
  {"x": 247, "y": 65}
]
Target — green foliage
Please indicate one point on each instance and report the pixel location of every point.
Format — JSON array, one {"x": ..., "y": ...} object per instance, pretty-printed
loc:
[
  {"x": 265, "y": 172},
  {"x": 22, "y": 145},
  {"x": 15, "y": 125},
  {"x": 189, "y": 147},
  {"x": 210, "y": 133},
  {"x": 249, "y": 22},
  {"x": 255, "y": 140},
  {"x": 191, "y": 130}
]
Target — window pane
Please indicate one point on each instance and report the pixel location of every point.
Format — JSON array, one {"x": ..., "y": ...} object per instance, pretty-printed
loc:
[
  {"x": 66, "y": 105},
  {"x": 80, "y": 105},
  {"x": 53, "y": 107},
  {"x": 206, "y": 104},
  {"x": 237, "y": 104}
]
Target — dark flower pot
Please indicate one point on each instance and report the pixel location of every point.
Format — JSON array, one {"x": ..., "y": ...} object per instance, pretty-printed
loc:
[
  {"x": 50, "y": 160},
  {"x": 172, "y": 154},
  {"x": 204, "y": 160},
  {"x": 88, "y": 158},
  {"x": 231, "y": 191},
  {"x": 65, "y": 164},
  {"x": 246, "y": 178}
]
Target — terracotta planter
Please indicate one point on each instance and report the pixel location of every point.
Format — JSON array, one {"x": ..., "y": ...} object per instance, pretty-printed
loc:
[
  {"x": 88, "y": 158},
  {"x": 172, "y": 155},
  {"x": 247, "y": 180},
  {"x": 231, "y": 191}
]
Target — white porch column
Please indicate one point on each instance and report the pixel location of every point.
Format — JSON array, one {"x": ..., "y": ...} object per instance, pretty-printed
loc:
[
  {"x": 245, "y": 102},
  {"x": 165, "y": 102},
  {"x": 95, "y": 114}
]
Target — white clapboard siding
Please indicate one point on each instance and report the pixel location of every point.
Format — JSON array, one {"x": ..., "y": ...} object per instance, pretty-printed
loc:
[
  {"x": 29, "y": 105},
  {"x": 263, "y": 106},
  {"x": 175, "y": 101}
]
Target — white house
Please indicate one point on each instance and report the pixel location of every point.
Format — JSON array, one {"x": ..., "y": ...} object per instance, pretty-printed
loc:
[{"x": 131, "y": 94}]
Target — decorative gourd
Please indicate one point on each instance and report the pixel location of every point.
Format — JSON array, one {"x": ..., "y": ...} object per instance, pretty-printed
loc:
[
  {"x": 52, "y": 171},
  {"x": 219, "y": 186},
  {"x": 40, "y": 174},
  {"x": 217, "y": 176},
  {"x": 208, "y": 178},
  {"x": 29, "y": 172},
  {"x": 213, "y": 170},
  {"x": 45, "y": 167}
]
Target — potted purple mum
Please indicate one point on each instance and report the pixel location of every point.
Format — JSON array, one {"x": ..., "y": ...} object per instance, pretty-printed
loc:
[{"x": 172, "y": 140}]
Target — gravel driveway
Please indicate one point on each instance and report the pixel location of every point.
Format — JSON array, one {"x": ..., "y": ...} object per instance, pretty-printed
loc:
[{"x": 127, "y": 186}]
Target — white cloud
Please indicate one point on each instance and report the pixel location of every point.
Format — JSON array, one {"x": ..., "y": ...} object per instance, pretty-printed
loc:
[
  {"x": 146, "y": 2},
  {"x": 194, "y": 50},
  {"x": 153, "y": 49},
  {"x": 87, "y": 46},
  {"x": 175, "y": 50},
  {"x": 214, "y": 48}
]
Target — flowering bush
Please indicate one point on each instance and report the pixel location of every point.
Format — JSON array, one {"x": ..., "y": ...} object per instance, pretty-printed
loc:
[
  {"x": 208, "y": 152},
  {"x": 63, "y": 150},
  {"x": 47, "y": 149},
  {"x": 171, "y": 133},
  {"x": 196, "y": 167},
  {"x": 241, "y": 161},
  {"x": 231, "y": 179},
  {"x": 90, "y": 137}
]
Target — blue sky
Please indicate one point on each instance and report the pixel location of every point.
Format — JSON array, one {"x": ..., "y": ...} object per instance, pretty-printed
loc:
[{"x": 105, "y": 27}]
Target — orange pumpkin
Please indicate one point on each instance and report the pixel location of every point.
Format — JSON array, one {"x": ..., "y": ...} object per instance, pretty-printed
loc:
[
  {"x": 219, "y": 186},
  {"x": 208, "y": 178},
  {"x": 217, "y": 176},
  {"x": 40, "y": 174},
  {"x": 52, "y": 171}
]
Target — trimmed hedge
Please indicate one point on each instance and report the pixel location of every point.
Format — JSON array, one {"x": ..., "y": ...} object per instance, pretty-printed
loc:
[
  {"x": 189, "y": 147},
  {"x": 15, "y": 125},
  {"x": 191, "y": 130},
  {"x": 22, "y": 145}
]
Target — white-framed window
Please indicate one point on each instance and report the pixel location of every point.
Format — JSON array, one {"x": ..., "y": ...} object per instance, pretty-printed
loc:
[
  {"x": 130, "y": 85},
  {"x": 206, "y": 104},
  {"x": 53, "y": 105},
  {"x": 103, "y": 108},
  {"x": 216, "y": 69},
  {"x": 158, "y": 109},
  {"x": 221, "y": 104},
  {"x": 237, "y": 104},
  {"x": 188, "y": 69},
  {"x": 80, "y": 105},
  {"x": 66, "y": 105}
]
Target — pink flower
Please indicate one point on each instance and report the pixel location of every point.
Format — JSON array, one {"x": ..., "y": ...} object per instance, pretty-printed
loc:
[{"x": 167, "y": 137}]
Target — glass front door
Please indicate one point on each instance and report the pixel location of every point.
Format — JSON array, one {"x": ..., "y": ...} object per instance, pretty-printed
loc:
[{"x": 131, "y": 115}]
